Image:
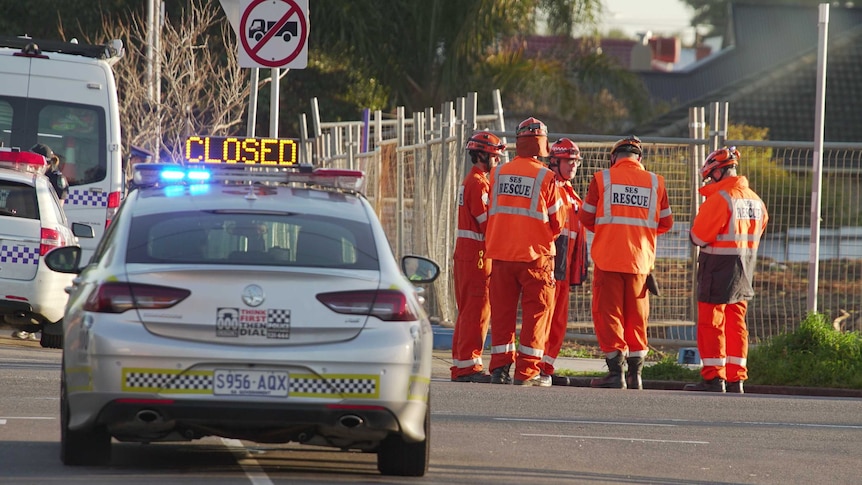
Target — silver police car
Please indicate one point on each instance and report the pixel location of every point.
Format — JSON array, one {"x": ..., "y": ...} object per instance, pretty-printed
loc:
[{"x": 260, "y": 304}]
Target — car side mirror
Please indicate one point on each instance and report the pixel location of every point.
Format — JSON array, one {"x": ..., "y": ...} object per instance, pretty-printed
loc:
[
  {"x": 83, "y": 230},
  {"x": 419, "y": 269},
  {"x": 64, "y": 260}
]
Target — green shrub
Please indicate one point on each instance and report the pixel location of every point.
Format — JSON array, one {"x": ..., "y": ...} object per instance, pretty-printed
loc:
[{"x": 814, "y": 355}]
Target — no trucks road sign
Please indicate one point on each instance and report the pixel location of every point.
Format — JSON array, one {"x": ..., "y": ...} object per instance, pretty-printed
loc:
[{"x": 273, "y": 33}]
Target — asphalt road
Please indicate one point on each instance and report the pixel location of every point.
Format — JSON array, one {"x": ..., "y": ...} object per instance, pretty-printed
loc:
[{"x": 481, "y": 434}]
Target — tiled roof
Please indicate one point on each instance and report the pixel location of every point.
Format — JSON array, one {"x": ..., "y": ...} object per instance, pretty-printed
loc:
[
  {"x": 769, "y": 76},
  {"x": 554, "y": 45}
]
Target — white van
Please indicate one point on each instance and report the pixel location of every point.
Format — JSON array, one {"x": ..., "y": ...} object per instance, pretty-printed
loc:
[{"x": 64, "y": 95}]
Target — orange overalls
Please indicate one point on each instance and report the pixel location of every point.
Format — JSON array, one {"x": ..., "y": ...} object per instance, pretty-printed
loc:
[
  {"x": 525, "y": 216},
  {"x": 570, "y": 269},
  {"x": 728, "y": 227},
  {"x": 472, "y": 271},
  {"x": 627, "y": 208}
]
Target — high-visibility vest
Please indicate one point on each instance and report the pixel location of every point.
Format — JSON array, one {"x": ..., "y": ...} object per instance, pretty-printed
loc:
[
  {"x": 728, "y": 227},
  {"x": 525, "y": 215},
  {"x": 473, "y": 199},
  {"x": 736, "y": 215},
  {"x": 630, "y": 210}
]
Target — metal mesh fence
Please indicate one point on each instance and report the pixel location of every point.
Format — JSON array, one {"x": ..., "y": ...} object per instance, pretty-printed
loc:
[{"x": 413, "y": 188}]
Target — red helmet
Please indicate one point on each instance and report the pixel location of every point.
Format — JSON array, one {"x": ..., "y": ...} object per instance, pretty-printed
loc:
[
  {"x": 532, "y": 127},
  {"x": 631, "y": 144},
  {"x": 566, "y": 149},
  {"x": 485, "y": 141},
  {"x": 723, "y": 157}
]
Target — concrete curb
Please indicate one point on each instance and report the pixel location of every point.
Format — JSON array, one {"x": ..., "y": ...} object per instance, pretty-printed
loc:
[{"x": 442, "y": 361}]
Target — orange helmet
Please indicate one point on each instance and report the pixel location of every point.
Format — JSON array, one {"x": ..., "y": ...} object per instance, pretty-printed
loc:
[
  {"x": 532, "y": 127},
  {"x": 565, "y": 148},
  {"x": 631, "y": 144},
  {"x": 485, "y": 141},
  {"x": 723, "y": 157}
]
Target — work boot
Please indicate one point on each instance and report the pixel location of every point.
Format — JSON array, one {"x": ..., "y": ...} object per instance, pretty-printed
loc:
[
  {"x": 614, "y": 377},
  {"x": 480, "y": 377},
  {"x": 712, "y": 385},
  {"x": 734, "y": 387},
  {"x": 500, "y": 375},
  {"x": 537, "y": 380},
  {"x": 633, "y": 372}
]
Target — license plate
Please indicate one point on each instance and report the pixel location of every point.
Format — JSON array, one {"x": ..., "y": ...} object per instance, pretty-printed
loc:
[{"x": 263, "y": 383}]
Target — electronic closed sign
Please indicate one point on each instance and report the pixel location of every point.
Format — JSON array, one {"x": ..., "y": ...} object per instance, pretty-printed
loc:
[{"x": 233, "y": 150}]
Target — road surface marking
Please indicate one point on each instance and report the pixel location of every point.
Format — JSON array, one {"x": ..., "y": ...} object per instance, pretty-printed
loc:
[
  {"x": 533, "y": 420},
  {"x": 615, "y": 439},
  {"x": 27, "y": 417},
  {"x": 250, "y": 466}
]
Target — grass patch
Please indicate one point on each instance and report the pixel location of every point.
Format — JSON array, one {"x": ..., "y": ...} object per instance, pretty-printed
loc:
[
  {"x": 668, "y": 369},
  {"x": 578, "y": 352},
  {"x": 814, "y": 355}
]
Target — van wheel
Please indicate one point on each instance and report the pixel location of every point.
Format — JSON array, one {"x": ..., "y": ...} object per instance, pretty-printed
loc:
[
  {"x": 81, "y": 447},
  {"x": 49, "y": 341},
  {"x": 397, "y": 457}
]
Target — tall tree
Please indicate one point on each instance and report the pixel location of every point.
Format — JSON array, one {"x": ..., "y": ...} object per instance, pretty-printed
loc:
[
  {"x": 380, "y": 54},
  {"x": 203, "y": 89},
  {"x": 432, "y": 51}
]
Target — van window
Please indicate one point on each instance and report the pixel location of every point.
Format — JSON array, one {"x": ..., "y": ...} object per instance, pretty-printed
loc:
[{"x": 74, "y": 133}]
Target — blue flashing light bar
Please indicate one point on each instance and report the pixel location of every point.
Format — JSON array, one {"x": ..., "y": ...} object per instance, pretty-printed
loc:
[{"x": 152, "y": 175}]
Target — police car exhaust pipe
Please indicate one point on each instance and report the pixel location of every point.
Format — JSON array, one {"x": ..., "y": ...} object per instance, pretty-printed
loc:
[
  {"x": 148, "y": 416},
  {"x": 351, "y": 421}
]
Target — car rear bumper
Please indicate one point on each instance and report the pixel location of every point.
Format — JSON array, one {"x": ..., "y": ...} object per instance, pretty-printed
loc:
[{"x": 145, "y": 420}]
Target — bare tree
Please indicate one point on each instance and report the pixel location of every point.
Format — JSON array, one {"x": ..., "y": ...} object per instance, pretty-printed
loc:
[{"x": 204, "y": 91}]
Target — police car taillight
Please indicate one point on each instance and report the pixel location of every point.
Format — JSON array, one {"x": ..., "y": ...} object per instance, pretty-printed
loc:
[
  {"x": 118, "y": 297},
  {"x": 49, "y": 239},
  {"x": 387, "y": 305},
  {"x": 114, "y": 199},
  {"x": 15, "y": 159}
]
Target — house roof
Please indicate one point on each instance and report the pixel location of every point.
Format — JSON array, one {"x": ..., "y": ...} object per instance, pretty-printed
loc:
[{"x": 768, "y": 75}]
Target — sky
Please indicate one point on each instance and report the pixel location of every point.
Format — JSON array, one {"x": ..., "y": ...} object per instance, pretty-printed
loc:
[{"x": 658, "y": 16}]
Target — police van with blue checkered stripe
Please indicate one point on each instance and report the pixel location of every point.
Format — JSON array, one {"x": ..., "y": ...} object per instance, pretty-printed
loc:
[{"x": 63, "y": 94}]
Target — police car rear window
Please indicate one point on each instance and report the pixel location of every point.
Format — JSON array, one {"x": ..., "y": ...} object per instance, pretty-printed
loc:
[
  {"x": 230, "y": 238},
  {"x": 18, "y": 200}
]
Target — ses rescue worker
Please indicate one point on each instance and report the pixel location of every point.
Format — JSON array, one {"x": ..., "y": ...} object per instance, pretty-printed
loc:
[
  {"x": 728, "y": 228},
  {"x": 570, "y": 264},
  {"x": 472, "y": 268},
  {"x": 627, "y": 207},
  {"x": 525, "y": 216}
]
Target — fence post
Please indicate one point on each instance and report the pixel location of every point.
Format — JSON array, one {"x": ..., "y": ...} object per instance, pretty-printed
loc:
[
  {"x": 697, "y": 129},
  {"x": 501, "y": 121},
  {"x": 420, "y": 180},
  {"x": 817, "y": 159},
  {"x": 713, "y": 128},
  {"x": 303, "y": 139},
  {"x": 399, "y": 183}
]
